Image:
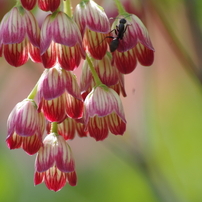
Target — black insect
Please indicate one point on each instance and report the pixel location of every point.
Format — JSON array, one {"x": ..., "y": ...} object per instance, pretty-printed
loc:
[{"x": 119, "y": 31}]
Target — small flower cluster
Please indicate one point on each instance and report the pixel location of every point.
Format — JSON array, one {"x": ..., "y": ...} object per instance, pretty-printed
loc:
[{"x": 58, "y": 107}]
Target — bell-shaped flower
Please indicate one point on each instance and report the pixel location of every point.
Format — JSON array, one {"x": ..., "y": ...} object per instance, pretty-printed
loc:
[
  {"x": 19, "y": 37},
  {"x": 59, "y": 95},
  {"x": 126, "y": 52},
  {"x": 61, "y": 42},
  {"x": 49, "y": 5},
  {"x": 103, "y": 112},
  {"x": 25, "y": 127},
  {"x": 28, "y": 4},
  {"x": 93, "y": 21},
  {"x": 54, "y": 163}
]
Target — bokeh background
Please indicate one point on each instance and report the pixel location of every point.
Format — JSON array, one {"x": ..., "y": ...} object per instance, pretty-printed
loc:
[{"x": 159, "y": 158}]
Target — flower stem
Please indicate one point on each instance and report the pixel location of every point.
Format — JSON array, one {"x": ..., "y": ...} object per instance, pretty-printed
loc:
[
  {"x": 33, "y": 92},
  {"x": 119, "y": 6},
  {"x": 67, "y": 7},
  {"x": 54, "y": 127},
  {"x": 94, "y": 73}
]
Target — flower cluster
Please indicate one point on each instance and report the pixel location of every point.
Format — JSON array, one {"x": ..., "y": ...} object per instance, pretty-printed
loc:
[{"x": 58, "y": 106}]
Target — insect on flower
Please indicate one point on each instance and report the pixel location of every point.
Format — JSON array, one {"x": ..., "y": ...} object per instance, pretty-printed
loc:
[{"x": 119, "y": 31}]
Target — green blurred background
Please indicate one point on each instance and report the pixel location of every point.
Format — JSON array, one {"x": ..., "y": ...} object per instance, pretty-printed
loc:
[{"x": 159, "y": 157}]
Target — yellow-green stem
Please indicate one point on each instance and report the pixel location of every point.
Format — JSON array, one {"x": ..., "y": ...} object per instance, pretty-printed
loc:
[
  {"x": 94, "y": 73},
  {"x": 33, "y": 92},
  {"x": 54, "y": 127},
  {"x": 67, "y": 7},
  {"x": 119, "y": 6}
]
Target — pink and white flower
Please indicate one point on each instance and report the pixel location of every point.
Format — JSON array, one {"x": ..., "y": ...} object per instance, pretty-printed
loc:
[
  {"x": 59, "y": 95},
  {"x": 61, "y": 42},
  {"x": 103, "y": 111},
  {"x": 54, "y": 163},
  {"x": 25, "y": 127},
  {"x": 19, "y": 37},
  {"x": 93, "y": 21},
  {"x": 135, "y": 45}
]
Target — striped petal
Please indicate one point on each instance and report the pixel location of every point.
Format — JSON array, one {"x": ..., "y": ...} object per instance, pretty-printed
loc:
[{"x": 102, "y": 101}]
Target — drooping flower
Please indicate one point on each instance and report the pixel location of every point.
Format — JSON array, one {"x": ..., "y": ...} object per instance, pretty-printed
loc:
[
  {"x": 19, "y": 37},
  {"x": 59, "y": 95},
  {"x": 61, "y": 42},
  {"x": 103, "y": 112},
  {"x": 28, "y": 4},
  {"x": 49, "y": 5},
  {"x": 54, "y": 163},
  {"x": 94, "y": 25},
  {"x": 126, "y": 52},
  {"x": 25, "y": 127}
]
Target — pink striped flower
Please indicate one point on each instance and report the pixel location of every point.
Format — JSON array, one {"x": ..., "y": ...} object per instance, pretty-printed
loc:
[
  {"x": 25, "y": 127},
  {"x": 19, "y": 37},
  {"x": 129, "y": 51},
  {"x": 28, "y": 4},
  {"x": 59, "y": 95},
  {"x": 103, "y": 112},
  {"x": 49, "y": 5},
  {"x": 54, "y": 163},
  {"x": 61, "y": 42},
  {"x": 93, "y": 22}
]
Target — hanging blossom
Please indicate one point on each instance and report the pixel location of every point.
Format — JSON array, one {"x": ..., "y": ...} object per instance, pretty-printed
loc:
[
  {"x": 103, "y": 112},
  {"x": 19, "y": 37},
  {"x": 25, "y": 127},
  {"x": 61, "y": 42},
  {"x": 54, "y": 163},
  {"x": 94, "y": 25},
  {"x": 59, "y": 95},
  {"x": 126, "y": 52}
]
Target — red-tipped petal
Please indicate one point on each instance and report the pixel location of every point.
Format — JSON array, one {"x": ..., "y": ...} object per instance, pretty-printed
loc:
[
  {"x": 34, "y": 53},
  {"x": 32, "y": 144},
  {"x": 49, "y": 5},
  {"x": 67, "y": 128},
  {"x": 125, "y": 61},
  {"x": 72, "y": 178},
  {"x": 49, "y": 57},
  {"x": 55, "y": 179},
  {"x": 38, "y": 178},
  {"x": 116, "y": 125},
  {"x": 14, "y": 141},
  {"x": 144, "y": 55},
  {"x": 54, "y": 110},
  {"x": 69, "y": 57},
  {"x": 74, "y": 107},
  {"x": 96, "y": 44},
  {"x": 28, "y": 4},
  {"x": 97, "y": 128},
  {"x": 16, "y": 54},
  {"x": 108, "y": 74}
]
